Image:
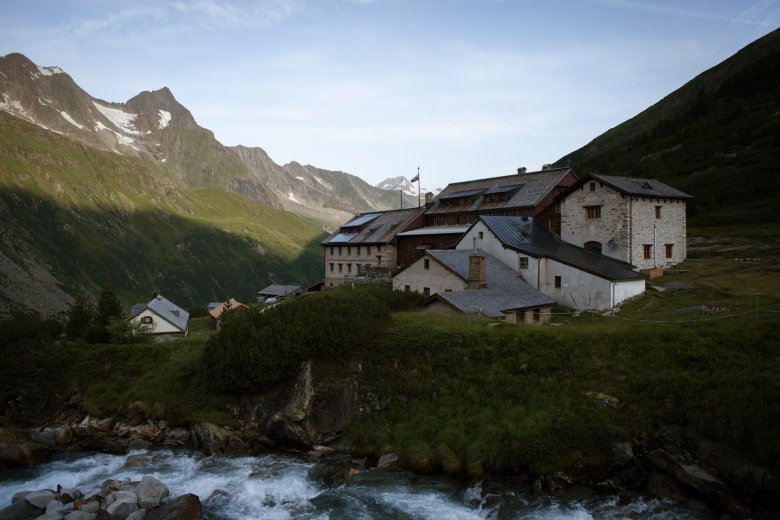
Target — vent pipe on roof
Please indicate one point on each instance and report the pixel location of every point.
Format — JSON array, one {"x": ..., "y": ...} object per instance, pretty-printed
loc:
[
  {"x": 428, "y": 198},
  {"x": 522, "y": 170}
]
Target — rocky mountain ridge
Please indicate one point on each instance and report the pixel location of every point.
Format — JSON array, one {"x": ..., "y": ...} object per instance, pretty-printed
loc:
[{"x": 155, "y": 127}]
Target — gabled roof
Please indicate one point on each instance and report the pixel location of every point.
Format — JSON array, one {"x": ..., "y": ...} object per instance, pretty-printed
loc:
[
  {"x": 505, "y": 289},
  {"x": 279, "y": 290},
  {"x": 526, "y": 235},
  {"x": 525, "y": 190},
  {"x": 373, "y": 228},
  {"x": 166, "y": 310},
  {"x": 632, "y": 186},
  {"x": 216, "y": 312}
]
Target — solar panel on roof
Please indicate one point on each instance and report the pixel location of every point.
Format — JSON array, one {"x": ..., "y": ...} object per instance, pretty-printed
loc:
[
  {"x": 460, "y": 194},
  {"x": 341, "y": 237},
  {"x": 362, "y": 219}
]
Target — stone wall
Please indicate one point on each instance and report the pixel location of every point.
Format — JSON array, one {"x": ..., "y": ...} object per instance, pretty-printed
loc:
[
  {"x": 343, "y": 260},
  {"x": 436, "y": 278}
]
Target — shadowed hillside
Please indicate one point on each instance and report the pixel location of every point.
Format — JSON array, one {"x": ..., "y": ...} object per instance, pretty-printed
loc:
[{"x": 717, "y": 138}]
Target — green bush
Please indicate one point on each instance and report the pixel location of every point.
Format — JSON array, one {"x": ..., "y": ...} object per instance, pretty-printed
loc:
[{"x": 266, "y": 346}]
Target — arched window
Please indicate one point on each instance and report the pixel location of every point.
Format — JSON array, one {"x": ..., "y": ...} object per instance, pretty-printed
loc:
[{"x": 593, "y": 246}]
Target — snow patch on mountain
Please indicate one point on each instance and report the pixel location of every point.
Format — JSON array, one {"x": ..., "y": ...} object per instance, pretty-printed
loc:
[
  {"x": 121, "y": 138},
  {"x": 49, "y": 71},
  {"x": 70, "y": 120},
  {"x": 299, "y": 178},
  {"x": 292, "y": 198},
  {"x": 164, "y": 118},
  {"x": 12, "y": 106},
  {"x": 125, "y": 121},
  {"x": 405, "y": 185},
  {"x": 320, "y": 181}
]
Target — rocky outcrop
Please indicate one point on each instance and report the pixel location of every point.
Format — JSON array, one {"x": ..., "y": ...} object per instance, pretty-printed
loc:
[
  {"x": 113, "y": 500},
  {"x": 20, "y": 448}
]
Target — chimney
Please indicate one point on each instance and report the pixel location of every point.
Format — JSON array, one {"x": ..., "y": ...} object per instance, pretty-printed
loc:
[
  {"x": 522, "y": 170},
  {"x": 547, "y": 166},
  {"x": 428, "y": 198},
  {"x": 477, "y": 275}
]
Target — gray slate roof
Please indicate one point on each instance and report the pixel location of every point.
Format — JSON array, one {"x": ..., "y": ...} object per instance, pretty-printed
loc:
[
  {"x": 531, "y": 188},
  {"x": 505, "y": 289},
  {"x": 279, "y": 290},
  {"x": 165, "y": 309},
  {"x": 528, "y": 236},
  {"x": 639, "y": 186},
  {"x": 373, "y": 228}
]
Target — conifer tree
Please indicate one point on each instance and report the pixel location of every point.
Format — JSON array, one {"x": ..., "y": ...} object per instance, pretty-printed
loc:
[
  {"x": 108, "y": 306},
  {"x": 80, "y": 317}
]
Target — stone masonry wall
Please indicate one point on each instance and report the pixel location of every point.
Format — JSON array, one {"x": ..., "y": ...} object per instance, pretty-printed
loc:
[{"x": 349, "y": 257}]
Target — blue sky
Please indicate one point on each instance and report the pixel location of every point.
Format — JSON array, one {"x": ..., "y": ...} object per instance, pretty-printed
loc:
[{"x": 461, "y": 88}]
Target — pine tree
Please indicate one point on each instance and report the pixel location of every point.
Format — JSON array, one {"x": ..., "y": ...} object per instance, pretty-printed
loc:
[
  {"x": 108, "y": 306},
  {"x": 79, "y": 318},
  {"x": 227, "y": 309}
]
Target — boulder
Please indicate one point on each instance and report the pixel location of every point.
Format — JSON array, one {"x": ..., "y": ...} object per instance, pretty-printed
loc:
[
  {"x": 388, "y": 460},
  {"x": 63, "y": 436},
  {"x": 55, "y": 506},
  {"x": 138, "y": 515},
  {"x": 147, "y": 432},
  {"x": 664, "y": 487},
  {"x": 20, "y": 509},
  {"x": 214, "y": 440},
  {"x": 178, "y": 437},
  {"x": 122, "y": 507},
  {"x": 151, "y": 492},
  {"x": 20, "y": 448},
  {"x": 40, "y": 499},
  {"x": 184, "y": 507}
]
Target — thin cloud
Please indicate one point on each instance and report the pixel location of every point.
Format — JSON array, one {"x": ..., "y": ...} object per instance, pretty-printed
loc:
[
  {"x": 755, "y": 14},
  {"x": 239, "y": 14},
  {"x": 673, "y": 10}
]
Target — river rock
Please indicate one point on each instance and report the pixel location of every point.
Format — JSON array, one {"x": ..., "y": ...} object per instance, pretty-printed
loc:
[
  {"x": 138, "y": 515},
  {"x": 184, "y": 507},
  {"x": 20, "y": 448},
  {"x": 122, "y": 507},
  {"x": 63, "y": 436},
  {"x": 214, "y": 440},
  {"x": 147, "y": 432},
  {"x": 664, "y": 487},
  {"x": 20, "y": 509},
  {"x": 151, "y": 492},
  {"x": 388, "y": 460},
  {"x": 40, "y": 499},
  {"x": 138, "y": 445},
  {"x": 177, "y": 437}
]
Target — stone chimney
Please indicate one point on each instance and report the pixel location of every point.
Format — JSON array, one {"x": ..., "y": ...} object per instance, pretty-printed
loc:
[
  {"x": 547, "y": 166},
  {"x": 477, "y": 272},
  {"x": 428, "y": 198},
  {"x": 522, "y": 170}
]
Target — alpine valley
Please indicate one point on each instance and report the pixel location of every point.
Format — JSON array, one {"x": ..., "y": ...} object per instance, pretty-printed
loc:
[{"x": 138, "y": 193}]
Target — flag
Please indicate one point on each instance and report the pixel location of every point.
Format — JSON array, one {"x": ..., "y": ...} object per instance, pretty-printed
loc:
[{"x": 415, "y": 178}]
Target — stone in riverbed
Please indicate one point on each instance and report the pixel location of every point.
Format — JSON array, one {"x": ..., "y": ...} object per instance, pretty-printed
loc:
[
  {"x": 184, "y": 507},
  {"x": 123, "y": 507},
  {"x": 151, "y": 492},
  {"x": 40, "y": 499},
  {"x": 80, "y": 515}
]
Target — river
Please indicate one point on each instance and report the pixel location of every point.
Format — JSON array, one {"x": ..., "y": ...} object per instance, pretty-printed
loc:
[{"x": 282, "y": 487}]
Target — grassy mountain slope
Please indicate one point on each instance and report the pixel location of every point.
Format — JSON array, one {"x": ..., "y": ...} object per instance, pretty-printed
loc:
[
  {"x": 71, "y": 216},
  {"x": 716, "y": 138}
]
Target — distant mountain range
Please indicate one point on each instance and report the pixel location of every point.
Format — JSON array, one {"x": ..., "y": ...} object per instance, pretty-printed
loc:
[
  {"x": 155, "y": 127},
  {"x": 717, "y": 138},
  {"x": 405, "y": 186}
]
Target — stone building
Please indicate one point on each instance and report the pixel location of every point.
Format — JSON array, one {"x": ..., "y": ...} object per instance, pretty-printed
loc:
[
  {"x": 639, "y": 221},
  {"x": 460, "y": 281},
  {"x": 366, "y": 242},
  {"x": 571, "y": 275}
]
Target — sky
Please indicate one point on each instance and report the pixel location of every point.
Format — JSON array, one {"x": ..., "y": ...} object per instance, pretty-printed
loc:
[{"x": 462, "y": 89}]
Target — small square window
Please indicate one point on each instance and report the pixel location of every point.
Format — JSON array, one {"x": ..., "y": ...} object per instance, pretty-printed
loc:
[
  {"x": 647, "y": 251},
  {"x": 481, "y": 235},
  {"x": 592, "y": 186},
  {"x": 593, "y": 212},
  {"x": 658, "y": 212},
  {"x": 426, "y": 264},
  {"x": 426, "y": 291},
  {"x": 557, "y": 282},
  {"x": 669, "y": 250},
  {"x": 522, "y": 262},
  {"x": 407, "y": 288},
  {"x": 146, "y": 320}
]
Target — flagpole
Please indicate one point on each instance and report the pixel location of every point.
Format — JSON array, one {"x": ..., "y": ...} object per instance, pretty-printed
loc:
[{"x": 418, "y": 187}]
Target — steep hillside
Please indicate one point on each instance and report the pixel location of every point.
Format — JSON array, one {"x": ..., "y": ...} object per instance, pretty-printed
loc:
[
  {"x": 716, "y": 138},
  {"x": 72, "y": 215}
]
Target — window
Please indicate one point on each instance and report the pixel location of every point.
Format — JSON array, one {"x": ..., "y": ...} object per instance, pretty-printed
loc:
[
  {"x": 349, "y": 268},
  {"x": 331, "y": 267},
  {"x": 593, "y": 211},
  {"x": 426, "y": 264},
  {"x": 447, "y": 290},
  {"x": 339, "y": 250},
  {"x": 537, "y": 315},
  {"x": 407, "y": 288},
  {"x": 378, "y": 249},
  {"x": 426, "y": 291},
  {"x": 341, "y": 267},
  {"x": 658, "y": 212},
  {"x": 647, "y": 251},
  {"x": 331, "y": 250},
  {"x": 481, "y": 235},
  {"x": 146, "y": 320},
  {"x": 557, "y": 282},
  {"x": 358, "y": 250},
  {"x": 368, "y": 250},
  {"x": 522, "y": 262},
  {"x": 593, "y": 246},
  {"x": 669, "y": 250},
  {"x": 349, "y": 250},
  {"x": 592, "y": 188}
]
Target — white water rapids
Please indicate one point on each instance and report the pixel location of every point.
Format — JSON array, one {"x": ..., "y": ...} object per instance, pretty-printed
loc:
[{"x": 280, "y": 487}]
